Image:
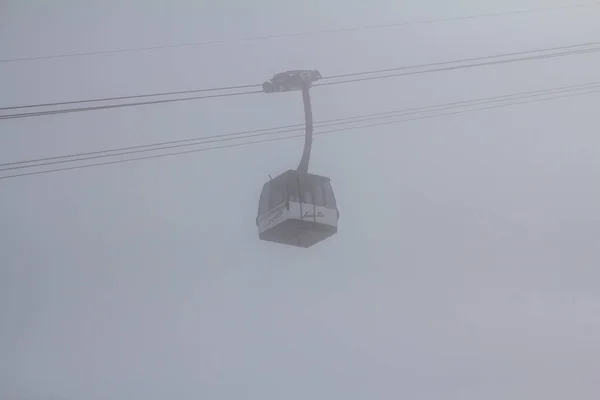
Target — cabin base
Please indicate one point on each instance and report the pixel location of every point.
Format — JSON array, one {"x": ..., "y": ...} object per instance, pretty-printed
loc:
[{"x": 298, "y": 233}]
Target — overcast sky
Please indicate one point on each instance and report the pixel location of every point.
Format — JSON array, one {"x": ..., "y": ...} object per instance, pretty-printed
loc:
[{"x": 466, "y": 265}]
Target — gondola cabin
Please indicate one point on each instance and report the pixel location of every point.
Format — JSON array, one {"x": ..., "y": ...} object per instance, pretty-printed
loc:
[{"x": 297, "y": 209}]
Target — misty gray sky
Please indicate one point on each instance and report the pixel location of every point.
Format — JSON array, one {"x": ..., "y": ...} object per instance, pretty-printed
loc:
[{"x": 466, "y": 263}]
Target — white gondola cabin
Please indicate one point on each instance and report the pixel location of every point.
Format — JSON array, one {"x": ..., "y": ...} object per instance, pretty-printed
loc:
[{"x": 297, "y": 209}]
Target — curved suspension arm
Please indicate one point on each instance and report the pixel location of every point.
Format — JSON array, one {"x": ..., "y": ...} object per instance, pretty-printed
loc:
[{"x": 308, "y": 118}]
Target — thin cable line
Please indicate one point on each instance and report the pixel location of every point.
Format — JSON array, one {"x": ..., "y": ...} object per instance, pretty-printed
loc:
[
  {"x": 128, "y": 97},
  {"x": 298, "y": 34},
  {"x": 137, "y": 96},
  {"x": 285, "y": 129},
  {"x": 110, "y": 106},
  {"x": 287, "y": 137},
  {"x": 435, "y": 64},
  {"x": 290, "y": 128},
  {"x": 462, "y": 111},
  {"x": 539, "y": 57},
  {"x": 153, "y": 145}
]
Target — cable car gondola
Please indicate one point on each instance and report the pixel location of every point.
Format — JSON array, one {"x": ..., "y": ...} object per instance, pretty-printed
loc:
[{"x": 297, "y": 208}]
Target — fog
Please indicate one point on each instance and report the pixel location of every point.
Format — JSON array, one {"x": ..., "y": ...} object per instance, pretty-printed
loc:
[{"x": 466, "y": 261}]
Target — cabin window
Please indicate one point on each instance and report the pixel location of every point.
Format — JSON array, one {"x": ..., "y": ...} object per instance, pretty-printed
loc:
[
  {"x": 307, "y": 195},
  {"x": 263, "y": 205},
  {"x": 318, "y": 192},
  {"x": 292, "y": 192},
  {"x": 329, "y": 196},
  {"x": 277, "y": 196}
]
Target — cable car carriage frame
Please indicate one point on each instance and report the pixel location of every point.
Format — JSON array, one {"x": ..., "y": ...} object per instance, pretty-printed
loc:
[{"x": 297, "y": 208}]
